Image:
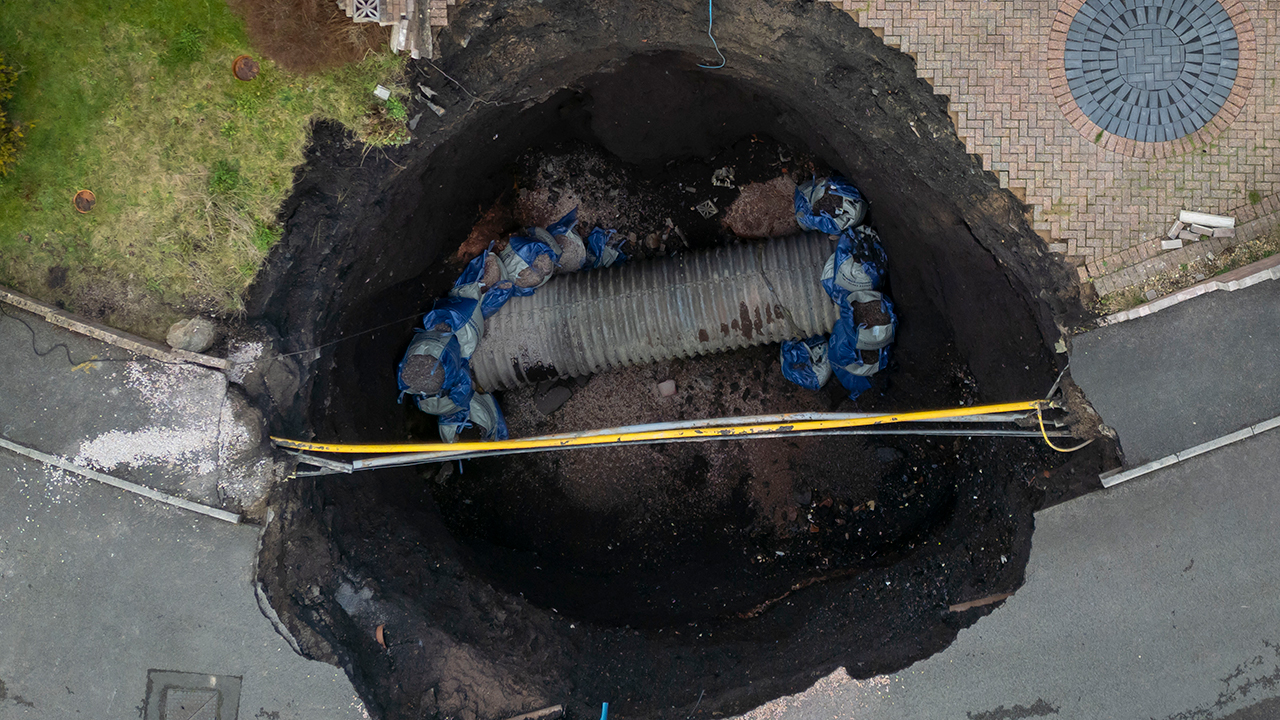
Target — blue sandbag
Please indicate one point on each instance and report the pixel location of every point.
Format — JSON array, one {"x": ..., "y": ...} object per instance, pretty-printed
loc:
[
  {"x": 604, "y": 250},
  {"x": 474, "y": 270},
  {"x": 456, "y": 390},
  {"x": 804, "y": 362},
  {"x": 854, "y": 384},
  {"x": 573, "y": 251},
  {"x": 850, "y": 212},
  {"x": 497, "y": 296},
  {"x": 462, "y": 316},
  {"x": 483, "y": 412},
  {"x": 521, "y": 252},
  {"x": 859, "y": 263},
  {"x": 849, "y": 340},
  {"x": 564, "y": 224}
]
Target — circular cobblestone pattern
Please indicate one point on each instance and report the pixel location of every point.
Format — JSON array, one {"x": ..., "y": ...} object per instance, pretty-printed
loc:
[{"x": 1151, "y": 70}]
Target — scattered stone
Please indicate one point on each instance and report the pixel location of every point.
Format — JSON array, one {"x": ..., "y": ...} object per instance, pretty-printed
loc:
[
  {"x": 1178, "y": 226},
  {"x": 1201, "y": 229},
  {"x": 1224, "y": 232},
  {"x": 1199, "y": 277},
  {"x": 1060, "y": 248},
  {"x": 1189, "y": 236},
  {"x": 667, "y": 388},
  {"x": 381, "y": 92},
  {"x": 553, "y": 399},
  {"x": 194, "y": 335},
  {"x": 1151, "y": 294},
  {"x": 1171, "y": 244}
]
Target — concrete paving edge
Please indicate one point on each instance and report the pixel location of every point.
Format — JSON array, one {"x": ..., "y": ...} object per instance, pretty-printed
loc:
[
  {"x": 111, "y": 336},
  {"x": 1247, "y": 276},
  {"x": 125, "y": 485},
  {"x": 1115, "y": 477}
]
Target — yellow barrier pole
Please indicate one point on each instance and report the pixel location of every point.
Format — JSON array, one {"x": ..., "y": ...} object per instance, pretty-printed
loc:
[{"x": 624, "y": 438}]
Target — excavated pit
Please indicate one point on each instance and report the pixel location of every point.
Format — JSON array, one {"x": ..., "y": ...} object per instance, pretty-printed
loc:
[{"x": 657, "y": 579}]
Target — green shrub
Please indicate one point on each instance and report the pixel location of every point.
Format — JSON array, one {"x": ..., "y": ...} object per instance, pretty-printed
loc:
[
  {"x": 396, "y": 111},
  {"x": 224, "y": 179},
  {"x": 186, "y": 47},
  {"x": 264, "y": 235}
]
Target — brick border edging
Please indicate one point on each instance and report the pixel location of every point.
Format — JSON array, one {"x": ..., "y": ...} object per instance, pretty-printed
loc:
[
  {"x": 111, "y": 336},
  {"x": 1238, "y": 279},
  {"x": 1089, "y": 130}
]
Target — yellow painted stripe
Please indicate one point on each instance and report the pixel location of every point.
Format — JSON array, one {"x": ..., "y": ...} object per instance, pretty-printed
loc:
[{"x": 623, "y": 438}]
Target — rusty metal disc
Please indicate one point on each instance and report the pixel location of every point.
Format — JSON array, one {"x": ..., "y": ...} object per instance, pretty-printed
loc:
[
  {"x": 245, "y": 68},
  {"x": 84, "y": 201}
]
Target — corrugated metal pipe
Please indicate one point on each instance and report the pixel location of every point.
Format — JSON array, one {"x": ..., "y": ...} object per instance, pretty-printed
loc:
[{"x": 704, "y": 302}]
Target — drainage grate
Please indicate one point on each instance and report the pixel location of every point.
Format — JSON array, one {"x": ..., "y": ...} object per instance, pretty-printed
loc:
[
  {"x": 191, "y": 696},
  {"x": 1151, "y": 70}
]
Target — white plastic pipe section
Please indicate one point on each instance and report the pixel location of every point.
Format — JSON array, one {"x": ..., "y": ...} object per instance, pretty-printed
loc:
[{"x": 734, "y": 296}]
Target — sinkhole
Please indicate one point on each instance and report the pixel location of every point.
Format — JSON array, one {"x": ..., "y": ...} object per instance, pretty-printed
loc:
[{"x": 701, "y": 578}]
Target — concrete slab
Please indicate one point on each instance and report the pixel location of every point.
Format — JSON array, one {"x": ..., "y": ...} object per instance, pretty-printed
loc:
[
  {"x": 171, "y": 426},
  {"x": 98, "y": 587},
  {"x": 1193, "y": 372},
  {"x": 1150, "y": 600}
]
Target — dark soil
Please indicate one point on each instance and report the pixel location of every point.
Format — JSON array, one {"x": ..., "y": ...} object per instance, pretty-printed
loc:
[
  {"x": 830, "y": 204},
  {"x": 423, "y": 374},
  {"x": 651, "y": 579},
  {"x": 869, "y": 314},
  {"x": 307, "y": 35}
]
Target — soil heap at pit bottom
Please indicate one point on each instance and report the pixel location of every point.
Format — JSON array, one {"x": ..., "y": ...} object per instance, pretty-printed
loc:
[{"x": 631, "y": 575}]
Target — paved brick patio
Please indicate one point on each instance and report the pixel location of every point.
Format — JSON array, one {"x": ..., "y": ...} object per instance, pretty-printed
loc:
[{"x": 1107, "y": 199}]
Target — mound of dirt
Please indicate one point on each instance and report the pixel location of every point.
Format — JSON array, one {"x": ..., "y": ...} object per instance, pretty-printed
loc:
[
  {"x": 307, "y": 35},
  {"x": 764, "y": 210}
]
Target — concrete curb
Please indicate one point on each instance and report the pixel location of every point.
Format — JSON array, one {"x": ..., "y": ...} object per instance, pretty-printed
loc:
[
  {"x": 115, "y": 482},
  {"x": 1238, "y": 279},
  {"x": 1115, "y": 477},
  {"x": 111, "y": 336}
]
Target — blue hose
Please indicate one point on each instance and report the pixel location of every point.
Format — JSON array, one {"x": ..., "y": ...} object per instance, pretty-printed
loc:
[{"x": 710, "y": 21}]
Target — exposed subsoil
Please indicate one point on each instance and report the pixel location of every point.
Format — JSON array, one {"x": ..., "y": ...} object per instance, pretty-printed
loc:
[{"x": 660, "y": 578}]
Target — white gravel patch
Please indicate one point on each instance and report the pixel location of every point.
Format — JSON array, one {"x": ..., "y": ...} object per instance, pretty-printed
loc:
[
  {"x": 190, "y": 448},
  {"x": 185, "y": 407},
  {"x": 243, "y": 355}
]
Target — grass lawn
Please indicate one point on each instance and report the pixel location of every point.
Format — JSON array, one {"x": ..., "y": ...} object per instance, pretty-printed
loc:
[{"x": 135, "y": 100}]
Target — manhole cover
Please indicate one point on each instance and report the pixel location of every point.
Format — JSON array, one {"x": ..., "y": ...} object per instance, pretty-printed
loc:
[
  {"x": 1151, "y": 70},
  {"x": 191, "y": 696}
]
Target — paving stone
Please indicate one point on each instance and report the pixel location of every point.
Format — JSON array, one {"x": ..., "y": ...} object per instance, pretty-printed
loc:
[{"x": 1104, "y": 202}]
